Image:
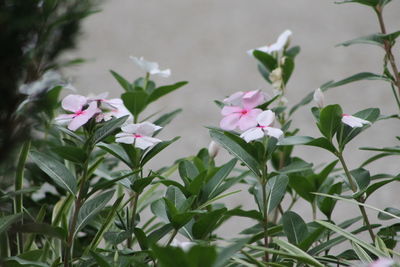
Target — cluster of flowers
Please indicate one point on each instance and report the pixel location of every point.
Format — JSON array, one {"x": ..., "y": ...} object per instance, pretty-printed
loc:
[
  {"x": 82, "y": 109},
  {"x": 240, "y": 111}
]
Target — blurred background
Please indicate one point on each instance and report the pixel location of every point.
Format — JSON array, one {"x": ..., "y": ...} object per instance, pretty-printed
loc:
[{"x": 205, "y": 42}]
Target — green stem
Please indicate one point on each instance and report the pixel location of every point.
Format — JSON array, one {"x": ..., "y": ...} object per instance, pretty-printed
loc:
[
  {"x": 263, "y": 181},
  {"x": 353, "y": 187},
  {"x": 19, "y": 178},
  {"x": 78, "y": 204},
  {"x": 174, "y": 233}
]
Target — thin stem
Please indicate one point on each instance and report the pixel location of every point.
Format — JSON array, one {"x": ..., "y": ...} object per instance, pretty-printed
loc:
[
  {"x": 265, "y": 211},
  {"x": 174, "y": 233},
  {"x": 19, "y": 177},
  {"x": 353, "y": 187},
  {"x": 134, "y": 203},
  {"x": 388, "y": 48}
]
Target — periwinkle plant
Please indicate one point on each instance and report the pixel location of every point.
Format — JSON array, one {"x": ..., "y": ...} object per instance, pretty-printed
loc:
[{"x": 105, "y": 207}]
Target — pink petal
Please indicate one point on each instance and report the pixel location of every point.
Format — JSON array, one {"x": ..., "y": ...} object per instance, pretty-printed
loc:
[
  {"x": 266, "y": 118},
  {"x": 234, "y": 99},
  {"x": 252, "y": 134},
  {"x": 73, "y": 103},
  {"x": 80, "y": 120},
  {"x": 230, "y": 122},
  {"x": 249, "y": 120},
  {"x": 227, "y": 110},
  {"x": 253, "y": 99}
]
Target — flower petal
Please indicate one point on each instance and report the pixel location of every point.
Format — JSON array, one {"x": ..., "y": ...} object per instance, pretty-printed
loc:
[
  {"x": 234, "y": 99},
  {"x": 253, "y": 99},
  {"x": 83, "y": 118},
  {"x": 354, "y": 121},
  {"x": 125, "y": 139},
  {"x": 266, "y": 118},
  {"x": 143, "y": 143},
  {"x": 130, "y": 128},
  {"x": 64, "y": 119},
  {"x": 274, "y": 132},
  {"x": 163, "y": 73},
  {"x": 318, "y": 97},
  {"x": 252, "y": 134},
  {"x": 227, "y": 110},
  {"x": 147, "y": 129},
  {"x": 73, "y": 103},
  {"x": 249, "y": 120},
  {"x": 230, "y": 122}
]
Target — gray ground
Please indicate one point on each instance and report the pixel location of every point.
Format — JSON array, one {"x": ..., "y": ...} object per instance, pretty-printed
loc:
[{"x": 204, "y": 42}]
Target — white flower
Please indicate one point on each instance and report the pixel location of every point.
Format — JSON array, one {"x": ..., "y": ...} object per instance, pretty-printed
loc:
[
  {"x": 49, "y": 80},
  {"x": 283, "y": 40},
  {"x": 110, "y": 107},
  {"x": 319, "y": 98},
  {"x": 151, "y": 67},
  {"x": 382, "y": 262},
  {"x": 139, "y": 134},
  {"x": 264, "y": 120},
  {"x": 185, "y": 246},
  {"x": 353, "y": 121},
  {"x": 213, "y": 149}
]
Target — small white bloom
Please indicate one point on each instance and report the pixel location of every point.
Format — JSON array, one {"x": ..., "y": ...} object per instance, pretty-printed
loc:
[
  {"x": 281, "y": 43},
  {"x": 213, "y": 149},
  {"x": 185, "y": 246},
  {"x": 276, "y": 78},
  {"x": 151, "y": 67},
  {"x": 382, "y": 262},
  {"x": 264, "y": 120},
  {"x": 319, "y": 98},
  {"x": 353, "y": 121},
  {"x": 139, "y": 134}
]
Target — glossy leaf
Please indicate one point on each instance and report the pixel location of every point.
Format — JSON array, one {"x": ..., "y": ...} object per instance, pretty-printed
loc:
[{"x": 294, "y": 227}]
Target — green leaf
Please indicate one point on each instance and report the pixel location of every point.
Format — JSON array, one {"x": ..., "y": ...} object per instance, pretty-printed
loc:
[
  {"x": 91, "y": 208},
  {"x": 371, "y": 3},
  {"x": 287, "y": 69},
  {"x": 176, "y": 197},
  {"x": 374, "y": 39},
  {"x": 55, "y": 170},
  {"x": 71, "y": 153},
  {"x": 226, "y": 253},
  {"x": 157, "y": 149},
  {"x": 163, "y": 90},
  {"x": 117, "y": 151},
  {"x": 361, "y": 253},
  {"x": 352, "y": 238},
  {"x": 207, "y": 223},
  {"x": 326, "y": 204},
  {"x": 122, "y": 81},
  {"x": 297, "y": 252},
  {"x": 294, "y": 227},
  {"x": 108, "y": 128},
  {"x": 170, "y": 256},
  {"x": 167, "y": 118},
  {"x": 330, "y": 120},
  {"x": 201, "y": 256},
  {"x": 303, "y": 187},
  {"x": 276, "y": 188},
  {"x": 41, "y": 228},
  {"x": 295, "y": 140},
  {"x": 268, "y": 61},
  {"x": 100, "y": 260},
  {"x": 7, "y": 221},
  {"x": 362, "y": 178},
  {"x": 393, "y": 211},
  {"x": 218, "y": 178},
  {"x": 235, "y": 149},
  {"x": 296, "y": 165},
  {"x": 141, "y": 237},
  {"x": 135, "y": 101}
]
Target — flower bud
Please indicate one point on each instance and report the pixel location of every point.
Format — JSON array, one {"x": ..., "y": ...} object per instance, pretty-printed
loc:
[
  {"x": 276, "y": 78},
  {"x": 213, "y": 149},
  {"x": 319, "y": 98}
]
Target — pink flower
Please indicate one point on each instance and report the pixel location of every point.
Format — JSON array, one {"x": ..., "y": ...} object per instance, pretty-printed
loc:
[
  {"x": 264, "y": 120},
  {"x": 139, "y": 134},
  {"x": 353, "y": 121},
  {"x": 82, "y": 111},
  {"x": 383, "y": 262},
  {"x": 240, "y": 111},
  {"x": 110, "y": 107}
]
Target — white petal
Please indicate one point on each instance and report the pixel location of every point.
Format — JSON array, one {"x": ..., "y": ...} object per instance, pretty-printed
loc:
[
  {"x": 213, "y": 149},
  {"x": 252, "y": 134},
  {"x": 282, "y": 41},
  {"x": 143, "y": 143},
  {"x": 145, "y": 65},
  {"x": 163, "y": 73},
  {"x": 319, "y": 98},
  {"x": 73, "y": 103},
  {"x": 354, "y": 121},
  {"x": 130, "y": 128},
  {"x": 266, "y": 118},
  {"x": 147, "y": 128},
  {"x": 125, "y": 139},
  {"x": 64, "y": 119},
  {"x": 274, "y": 132}
]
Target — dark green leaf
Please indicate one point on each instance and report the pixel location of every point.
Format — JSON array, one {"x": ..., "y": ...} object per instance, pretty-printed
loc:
[
  {"x": 163, "y": 90},
  {"x": 122, "y": 81},
  {"x": 7, "y": 221},
  {"x": 156, "y": 149},
  {"x": 330, "y": 120},
  {"x": 294, "y": 227},
  {"x": 55, "y": 170},
  {"x": 276, "y": 188},
  {"x": 375, "y": 39},
  {"x": 135, "y": 101},
  {"x": 207, "y": 223},
  {"x": 393, "y": 211},
  {"x": 108, "y": 128}
]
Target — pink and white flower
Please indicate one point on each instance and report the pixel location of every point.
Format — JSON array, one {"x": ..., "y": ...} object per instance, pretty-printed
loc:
[
  {"x": 383, "y": 262},
  {"x": 139, "y": 134},
  {"x": 283, "y": 40},
  {"x": 353, "y": 121},
  {"x": 264, "y": 120},
  {"x": 110, "y": 107},
  {"x": 151, "y": 67},
  {"x": 82, "y": 112},
  {"x": 240, "y": 111},
  {"x": 319, "y": 98}
]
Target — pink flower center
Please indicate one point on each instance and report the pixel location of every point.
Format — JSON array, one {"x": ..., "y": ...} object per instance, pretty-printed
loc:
[
  {"x": 137, "y": 135},
  {"x": 244, "y": 111},
  {"x": 344, "y": 115},
  {"x": 262, "y": 126},
  {"x": 78, "y": 113}
]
